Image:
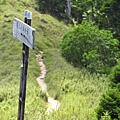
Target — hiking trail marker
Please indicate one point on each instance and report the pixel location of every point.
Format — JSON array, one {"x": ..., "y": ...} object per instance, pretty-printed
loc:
[{"x": 26, "y": 34}]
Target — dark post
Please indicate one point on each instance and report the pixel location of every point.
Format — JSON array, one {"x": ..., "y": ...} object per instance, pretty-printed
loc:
[
  {"x": 29, "y": 17},
  {"x": 22, "y": 73},
  {"x": 24, "y": 67}
]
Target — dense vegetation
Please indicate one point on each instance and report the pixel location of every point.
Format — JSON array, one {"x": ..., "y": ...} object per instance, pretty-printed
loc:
[
  {"x": 110, "y": 102},
  {"x": 93, "y": 47},
  {"x": 77, "y": 90},
  {"x": 88, "y": 47},
  {"x": 53, "y": 7},
  {"x": 105, "y": 13}
]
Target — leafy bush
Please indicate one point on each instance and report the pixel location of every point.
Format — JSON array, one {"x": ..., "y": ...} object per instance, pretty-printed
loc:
[
  {"x": 110, "y": 102},
  {"x": 115, "y": 75},
  {"x": 87, "y": 46}
]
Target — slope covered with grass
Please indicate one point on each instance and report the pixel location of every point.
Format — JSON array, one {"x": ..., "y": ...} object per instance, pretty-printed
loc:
[
  {"x": 48, "y": 33},
  {"x": 77, "y": 90}
]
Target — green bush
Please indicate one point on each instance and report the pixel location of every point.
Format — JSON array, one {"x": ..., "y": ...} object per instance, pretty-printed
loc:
[
  {"x": 88, "y": 47},
  {"x": 115, "y": 75},
  {"x": 110, "y": 103}
]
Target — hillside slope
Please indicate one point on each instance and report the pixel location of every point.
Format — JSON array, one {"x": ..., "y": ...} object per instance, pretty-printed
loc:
[
  {"x": 48, "y": 33},
  {"x": 77, "y": 90}
]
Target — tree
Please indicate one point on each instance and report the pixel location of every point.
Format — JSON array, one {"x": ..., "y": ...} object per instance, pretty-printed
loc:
[
  {"x": 88, "y": 47},
  {"x": 105, "y": 13},
  {"x": 54, "y": 7},
  {"x": 110, "y": 18},
  {"x": 78, "y": 8},
  {"x": 69, "y": 11},
  {"x": 88, "y": 9}
]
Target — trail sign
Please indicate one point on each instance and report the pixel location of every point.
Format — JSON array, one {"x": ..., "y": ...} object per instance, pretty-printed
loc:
[{"x": 24, "y": 32}]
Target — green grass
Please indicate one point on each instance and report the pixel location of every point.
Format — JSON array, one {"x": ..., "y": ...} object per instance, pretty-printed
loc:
[{"x": 77, "y": 90}]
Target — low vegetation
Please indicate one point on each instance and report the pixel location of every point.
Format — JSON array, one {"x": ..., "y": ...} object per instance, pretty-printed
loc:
[{"x": 77, "y": 90}]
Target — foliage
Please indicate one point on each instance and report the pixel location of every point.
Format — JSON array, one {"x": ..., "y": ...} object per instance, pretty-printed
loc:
[
  {"x": 104, "y": 13},
  {"x": 87, "y": 46},
  {"x": 53, "y": 7},
  {"x": 85, "y": 9},
  {"x": 115, "y": 75},
  {"x": 110, "y": 102},
  {"x": 79, "y": 8},
  {"x": 79, "y": 91},
  {"x": 110, "y": 16}
]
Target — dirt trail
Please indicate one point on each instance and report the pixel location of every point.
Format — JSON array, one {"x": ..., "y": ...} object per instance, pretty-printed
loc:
[{"x": 53, "y": 105}]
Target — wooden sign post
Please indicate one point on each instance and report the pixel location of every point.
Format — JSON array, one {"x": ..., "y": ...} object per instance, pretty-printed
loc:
[{"x": 26, "y": 34}]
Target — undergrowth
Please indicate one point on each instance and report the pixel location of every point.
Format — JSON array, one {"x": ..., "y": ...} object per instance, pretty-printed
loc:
[{"x": 77, "y": 90}]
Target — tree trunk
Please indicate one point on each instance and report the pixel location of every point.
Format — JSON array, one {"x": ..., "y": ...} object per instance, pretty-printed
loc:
[
  {"x": 79, "y": 17},
  {"x": 69, "y": 11}
]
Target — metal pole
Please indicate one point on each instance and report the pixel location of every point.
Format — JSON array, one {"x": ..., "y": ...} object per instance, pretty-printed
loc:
[
  {"x": 23, "y": 78},
  {"x": 29, "y": 17}
]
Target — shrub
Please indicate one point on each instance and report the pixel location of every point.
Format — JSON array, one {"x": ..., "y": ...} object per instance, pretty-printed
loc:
[
  {"x": 87, "y": 46},
  {"x": 115, "y": 75},
  {"x": 110, "y": 103}
]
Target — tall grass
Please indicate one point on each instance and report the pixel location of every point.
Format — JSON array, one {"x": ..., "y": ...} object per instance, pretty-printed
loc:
[
  {"x": 11, "y": 53},
  {"x": 78, "y": 90}
]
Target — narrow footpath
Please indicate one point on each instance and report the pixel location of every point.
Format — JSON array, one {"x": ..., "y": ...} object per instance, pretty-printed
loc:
[{"x": 53, "y": 105}]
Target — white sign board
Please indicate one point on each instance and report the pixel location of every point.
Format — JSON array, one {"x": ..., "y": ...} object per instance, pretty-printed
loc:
[{"x": 24, "y": 33}]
